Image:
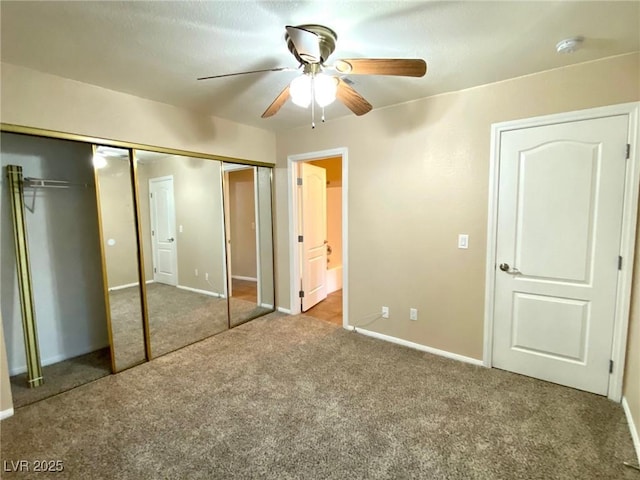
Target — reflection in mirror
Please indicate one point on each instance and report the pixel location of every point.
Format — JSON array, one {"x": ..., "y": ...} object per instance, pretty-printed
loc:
[
  {"x": 120, "y": 247},
  {"x": 183, "y": 245},
  {"x": 247, "y": 193}
]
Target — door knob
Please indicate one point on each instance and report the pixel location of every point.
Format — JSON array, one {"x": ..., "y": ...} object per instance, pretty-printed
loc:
[
  {"x": 506, "y": 268},
  {"x": 171, "y": 239}
]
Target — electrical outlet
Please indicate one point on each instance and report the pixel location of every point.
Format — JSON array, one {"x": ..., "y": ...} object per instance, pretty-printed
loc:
[
  {"x": 196, "y": 272},
  {"x": 385, "y": 312},
  {"x": 413, "y": 314},
  {"x": 206, "y": 277}
]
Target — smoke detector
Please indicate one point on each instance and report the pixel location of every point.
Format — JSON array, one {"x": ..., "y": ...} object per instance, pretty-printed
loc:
[{"x": 569, "y": 45}]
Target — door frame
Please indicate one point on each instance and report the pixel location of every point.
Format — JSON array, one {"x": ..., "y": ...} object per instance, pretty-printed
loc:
[
  {"x": 294, "y": 258},
  {"x": 153, "y": 227},
  {"x": 628, "y": 236}
]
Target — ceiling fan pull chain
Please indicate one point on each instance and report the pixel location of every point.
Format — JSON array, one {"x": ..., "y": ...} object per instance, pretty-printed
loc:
[
  {"x": 313, "y": 100},
  {"x": 322, "y": 114}
]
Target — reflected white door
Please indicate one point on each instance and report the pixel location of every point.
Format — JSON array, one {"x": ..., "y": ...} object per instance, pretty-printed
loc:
[
  {"x": 560, "y": 207},
  {"x": 313, "y": 196},
  {"x": 163, "y": 230}
]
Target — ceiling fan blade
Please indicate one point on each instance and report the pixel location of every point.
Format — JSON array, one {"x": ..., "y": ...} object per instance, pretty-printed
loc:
[
  {"x": 277, "y": 103},
  {"x": 307, "y": 44},
  {"x": 404, "y": 67},
  {"x": 352, "y": 99},
  {"x": 276, "y": 69}
]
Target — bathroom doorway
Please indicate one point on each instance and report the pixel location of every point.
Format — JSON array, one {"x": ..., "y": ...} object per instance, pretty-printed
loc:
[{"x": 318, "y": 235}]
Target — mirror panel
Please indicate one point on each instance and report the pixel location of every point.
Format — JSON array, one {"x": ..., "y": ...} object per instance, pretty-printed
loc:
[
  {"x": 181, "y": 217},
  {"x": 120, "y": 249},
  {"x": 247, "y": 193}
]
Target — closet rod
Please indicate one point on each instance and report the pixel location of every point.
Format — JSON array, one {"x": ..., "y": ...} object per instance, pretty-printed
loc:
[{"x": 31, "y": 182}]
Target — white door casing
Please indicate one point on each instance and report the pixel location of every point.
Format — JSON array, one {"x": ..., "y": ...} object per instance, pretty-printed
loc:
[
  {"x": 293, "y": 209},
  {"x": 163, "y": 230},
  {"x": 313, "y": 222},
  {"x": 559, "y": 224}
]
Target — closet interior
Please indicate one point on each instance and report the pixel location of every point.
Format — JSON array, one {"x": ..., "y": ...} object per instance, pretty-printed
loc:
[{"x": 114, "y": 255}]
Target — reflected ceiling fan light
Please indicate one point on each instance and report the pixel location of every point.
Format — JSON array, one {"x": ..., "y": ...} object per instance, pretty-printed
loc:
[
  {"x": 99, "y": 161},
  {"x": 300, "y": 90}
]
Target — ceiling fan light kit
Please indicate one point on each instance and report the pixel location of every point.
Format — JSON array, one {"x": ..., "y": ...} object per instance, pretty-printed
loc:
[{"x": 312, "y": 45}]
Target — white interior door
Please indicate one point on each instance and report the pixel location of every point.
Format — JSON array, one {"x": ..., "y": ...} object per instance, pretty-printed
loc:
[
  {"x": 163, "y": 230},
  {"x": 313, "y": 219},
  {"x": 560, "y": 207}
]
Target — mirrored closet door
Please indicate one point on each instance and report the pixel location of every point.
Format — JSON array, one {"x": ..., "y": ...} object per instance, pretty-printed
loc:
[
  {"x": 119, "y": 241},
  {"x": 248, "y": 225},
  {"x": 181, "y": 218}
]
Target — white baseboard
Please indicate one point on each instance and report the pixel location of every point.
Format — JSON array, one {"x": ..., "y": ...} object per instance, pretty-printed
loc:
[
  {"x": 267, "y": 305},
  {"x": 417, "y": 346},
  {"x": 126, "y": 285},
  {"x": 60, "y": 357},
  {"x": 632, "y": 427},
  {"x": 6, "y": 413},
  {"x": 284, "y": 310},
  {"x": 249, "y": 279},
  {"x": 197, "y": 290}
]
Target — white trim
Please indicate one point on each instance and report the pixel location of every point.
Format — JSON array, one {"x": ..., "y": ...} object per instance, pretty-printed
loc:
[
  {"x": 6, "y": 413},
  {"x": 294, "y": 261},
  {"x": 197, "y": 290},
  {"x": 417, "y": 346},
  {"x": 248, "y": 279},
  {"x": 284, "y": 310},
  {"x": 627, "y": 247},
  {"x": 266, "y": 305},
  {"x": 632, "y": 427},
  {"x": 126, "y": 285},
  {"x": 149, "y": 281}
]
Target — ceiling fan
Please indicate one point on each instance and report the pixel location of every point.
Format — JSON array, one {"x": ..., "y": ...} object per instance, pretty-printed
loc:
[{"x": 312, "y": 45}]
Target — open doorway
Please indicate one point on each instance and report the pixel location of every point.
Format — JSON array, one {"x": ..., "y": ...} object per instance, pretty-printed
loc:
[{"x": 318, "y": 235}]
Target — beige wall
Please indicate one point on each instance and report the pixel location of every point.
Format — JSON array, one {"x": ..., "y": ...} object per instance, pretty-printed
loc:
[
  {"x": 197, "y": 191},
  {"x": 35, "y": 99},
  {"x": 418, "y": 176},
  {"x": 46, "y": 101},
  {"x": 631, "y": 390},
  {"x": 6, "y": 401},
  {"x": 242, "y": 211}
]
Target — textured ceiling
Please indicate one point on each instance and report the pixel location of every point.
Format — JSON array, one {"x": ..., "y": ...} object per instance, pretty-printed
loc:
[{"x": 156, "y": 50}]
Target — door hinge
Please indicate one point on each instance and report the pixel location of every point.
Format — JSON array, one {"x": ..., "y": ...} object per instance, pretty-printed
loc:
[
  {"x": 153, "y": 233},
  {"x": 301, "y": 294},
  {"x": 151, "y": 195},
  {"x": 619, "y": 262},
  {"x": 628, "y": 150},
  {"x": 300, "y": 238},
  {"x": 610, "y": 366},
  {"x": 299, "y": 181},
  {"x": 155, "y": 270}
]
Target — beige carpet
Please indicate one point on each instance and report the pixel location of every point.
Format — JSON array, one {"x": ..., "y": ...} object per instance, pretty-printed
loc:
[{"x": 299, "y": 398}]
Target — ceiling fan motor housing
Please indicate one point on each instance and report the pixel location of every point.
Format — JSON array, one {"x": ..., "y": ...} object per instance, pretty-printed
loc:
[{"x": 327, "y": 42}]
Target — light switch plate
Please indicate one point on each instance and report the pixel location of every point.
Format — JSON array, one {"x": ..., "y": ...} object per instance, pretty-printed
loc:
[{"x": 463, "y": 240}]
